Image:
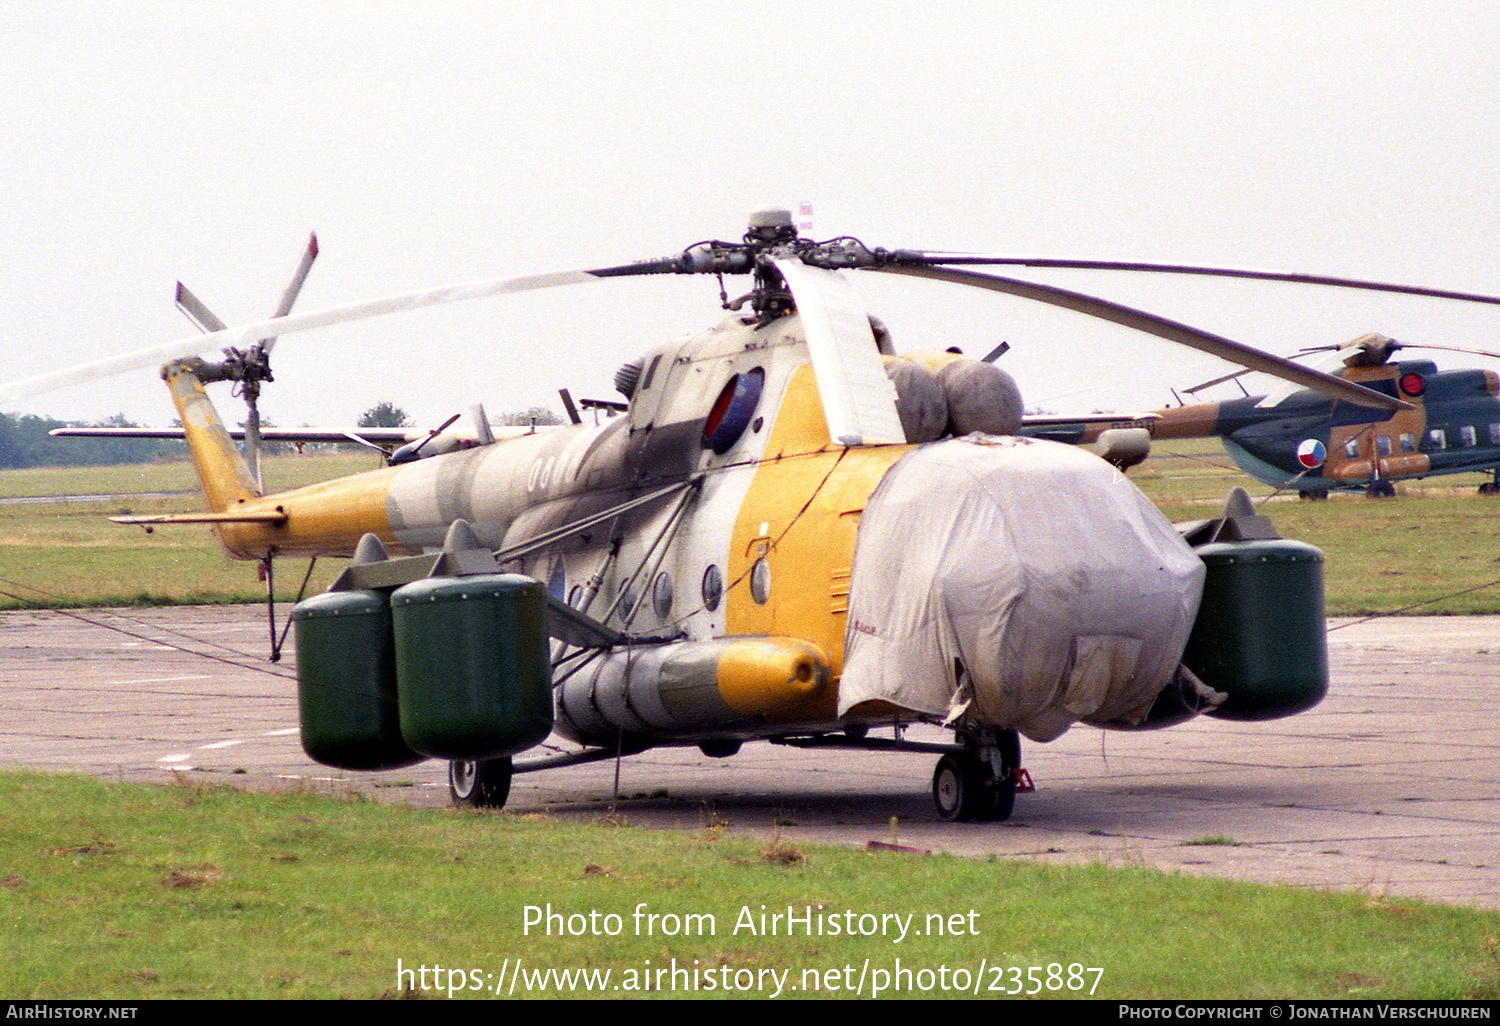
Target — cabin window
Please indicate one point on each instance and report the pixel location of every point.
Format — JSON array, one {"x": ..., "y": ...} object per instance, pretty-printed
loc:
[
  {"x": 1467, "y": 436},
  {"x": 1382, "y": 445},
  {"x": 1437, "y": 438},
  {"x": 661, "y": 596},
  {"x": 1351, "y": 448},
  {"x": 713, "y": 587},
  {"x": 1408, "y": 442},
  {"x": 1495, "y": 432},
  {"x": 760, "y": 581}
]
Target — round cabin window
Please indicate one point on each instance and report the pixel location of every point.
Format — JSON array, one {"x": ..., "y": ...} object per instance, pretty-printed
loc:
[
  {"x": 760, "y": 581},
  {"x": 661, "y": 596},
  {"x": 713, "y": 587}
]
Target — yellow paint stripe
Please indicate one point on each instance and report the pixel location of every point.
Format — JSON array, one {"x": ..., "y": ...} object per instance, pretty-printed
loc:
[
  {"x": 801, "y": 516},
  {"x": 221, "y": 469}
]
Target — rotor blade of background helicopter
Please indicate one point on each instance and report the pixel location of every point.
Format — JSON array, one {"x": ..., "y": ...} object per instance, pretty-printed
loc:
[
  {"x": 1217, "y": 381},
  {"x": 859, "y": 400},
  {"x": 1326, "y": 363},
  {"x": 1175, "y": 331},
  {"x": 1411, "y": 345},
  {"x": 1449, "y": 349},
  {"x": 248, "y": 333},
  {"x": 934, "y": 258}
]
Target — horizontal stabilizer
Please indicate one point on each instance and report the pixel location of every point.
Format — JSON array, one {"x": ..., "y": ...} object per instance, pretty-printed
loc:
[
  {"x": 363, "y": 435},
  {"x": 227, "y": 517}
]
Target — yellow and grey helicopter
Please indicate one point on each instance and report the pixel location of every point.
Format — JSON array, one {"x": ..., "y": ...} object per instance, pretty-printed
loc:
[{"x": 792, "y": 534}]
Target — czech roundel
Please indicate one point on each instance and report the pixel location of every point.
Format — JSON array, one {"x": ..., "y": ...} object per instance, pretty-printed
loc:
[{"x": 1311, "y": 453}]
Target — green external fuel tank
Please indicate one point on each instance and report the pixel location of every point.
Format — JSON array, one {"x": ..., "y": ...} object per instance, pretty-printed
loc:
[
  {"x": 346, "y": 682},
  {"x": 1260, "y": 635},
  {"x": 473, "y": 665}
]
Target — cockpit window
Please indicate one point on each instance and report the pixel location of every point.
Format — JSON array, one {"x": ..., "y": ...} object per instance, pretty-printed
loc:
[{"x": 732, "y": 411}]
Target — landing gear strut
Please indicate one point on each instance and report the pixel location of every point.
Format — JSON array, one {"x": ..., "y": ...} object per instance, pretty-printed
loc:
[{"x": 980, "y": 781}]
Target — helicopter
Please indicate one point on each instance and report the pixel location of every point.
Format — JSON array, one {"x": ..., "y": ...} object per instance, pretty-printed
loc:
[
  {"x": 1306, "y": 440},
  {"x": 792, "y": 534}
]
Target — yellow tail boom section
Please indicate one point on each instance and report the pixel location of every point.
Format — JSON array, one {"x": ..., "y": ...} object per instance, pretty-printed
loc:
[
  {"x": 324, "y": 519},
  {"x": 222, "y": 471}
]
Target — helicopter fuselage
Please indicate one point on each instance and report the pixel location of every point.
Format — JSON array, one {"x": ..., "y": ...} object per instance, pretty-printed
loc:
[
  {"x": 760, "y": 539},
  {"x": 751, "y": 577},
  {"x": 1453, "y": 427}
]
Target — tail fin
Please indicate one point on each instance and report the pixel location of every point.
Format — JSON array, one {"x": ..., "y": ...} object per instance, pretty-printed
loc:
[{"x": 222, "y": 471}]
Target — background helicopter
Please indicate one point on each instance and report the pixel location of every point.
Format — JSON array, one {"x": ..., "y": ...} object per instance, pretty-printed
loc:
[
  {"x": 1316, "y": 444},
  {"x": 792, "y": 535}
]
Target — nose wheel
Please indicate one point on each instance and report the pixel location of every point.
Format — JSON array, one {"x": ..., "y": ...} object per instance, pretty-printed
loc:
[{"x": 978, "y": 782}]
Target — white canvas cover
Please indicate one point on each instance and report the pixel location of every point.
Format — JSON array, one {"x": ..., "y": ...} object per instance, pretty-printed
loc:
[{"x": 1022, "y": 582}]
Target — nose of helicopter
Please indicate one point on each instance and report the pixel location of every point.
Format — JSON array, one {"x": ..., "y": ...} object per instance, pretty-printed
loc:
[{"x": 1020, "y": 583}]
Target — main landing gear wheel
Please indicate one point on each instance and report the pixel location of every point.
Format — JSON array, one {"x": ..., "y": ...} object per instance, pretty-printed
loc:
[
  {"x": 978, "y": 783},
  {"x": 480, "y": 784},
  {"x": 955, "y": 788}
]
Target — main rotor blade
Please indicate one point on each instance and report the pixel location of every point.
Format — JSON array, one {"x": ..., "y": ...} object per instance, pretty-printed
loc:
[
  {"x": 1175, "y": 331},
  {"x": 276, "y": 326},
  {"x": 976, "y": 259},
  {"x": 858, "y": 398}
]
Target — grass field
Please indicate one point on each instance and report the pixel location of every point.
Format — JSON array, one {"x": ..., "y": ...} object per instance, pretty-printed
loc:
[
  {"x": 68, "y": 553},
  {"x": 188, "y": 891},
  {"x": 1433, "y": 548}
]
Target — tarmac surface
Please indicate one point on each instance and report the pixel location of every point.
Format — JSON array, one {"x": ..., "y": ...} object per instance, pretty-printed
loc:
[{"x": 1390, "y": 787}]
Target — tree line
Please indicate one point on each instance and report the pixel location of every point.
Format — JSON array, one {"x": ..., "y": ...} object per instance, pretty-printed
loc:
[{"x": 25, "y": 442}]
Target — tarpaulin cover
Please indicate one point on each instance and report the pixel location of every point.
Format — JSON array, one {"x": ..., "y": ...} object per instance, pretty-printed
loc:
[{"x": 1021, "y": 583}]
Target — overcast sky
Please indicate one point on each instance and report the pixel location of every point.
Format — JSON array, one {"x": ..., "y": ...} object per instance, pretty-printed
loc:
[{"x": 146, "y": 142}]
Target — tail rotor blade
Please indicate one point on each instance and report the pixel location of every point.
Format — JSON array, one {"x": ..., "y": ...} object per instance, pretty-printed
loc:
[
  {"x": 193, "y": 309},
  {"x": 289, "y": 297}
]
